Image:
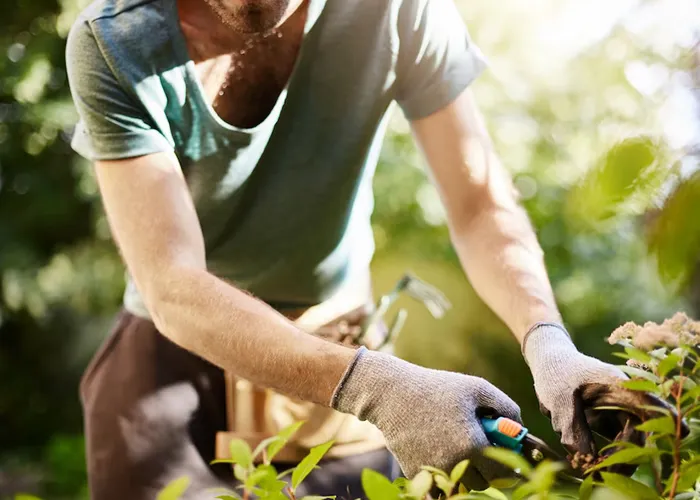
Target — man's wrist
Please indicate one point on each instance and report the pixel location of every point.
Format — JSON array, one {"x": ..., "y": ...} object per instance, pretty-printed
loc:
[{"x": 543, "y": 337}]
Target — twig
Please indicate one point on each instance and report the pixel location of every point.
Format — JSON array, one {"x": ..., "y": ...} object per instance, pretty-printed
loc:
[
  {"x": 677, "y": 440},
  {"x": 292, "y": 496}
]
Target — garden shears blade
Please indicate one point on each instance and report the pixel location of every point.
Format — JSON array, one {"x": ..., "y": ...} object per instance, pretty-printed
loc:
[{"x": 512, "y": 435}]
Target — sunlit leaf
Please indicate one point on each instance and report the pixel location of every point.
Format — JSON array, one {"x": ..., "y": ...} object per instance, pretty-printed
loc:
[
  {"x": 667, "y": 364},
  {"x": 674, "y": 238},
  {"x": 309, "y": 462},
  {"x": 420, "y": 484},
  {"x": 629, "y": 487},
  {"x": 240, "y": 453},
  {"x": 378, "y": 487},
  {"x": 435, "y": 471},
  {"x": 641, "y": 385},
  {"x": 661, "y": 425},
  {"x": 444, "y": 484},
  {"x": 635, "y": 455},
  {"x": 689, "y": 475},
  {"x": 175, "y": 489},
  {"x": 586, "y": 488},
  {"x": 638, "y": 355},
  {"x": 510, "y": 459},
  {"x": 458, "y": 471},
  {"x": 637, "y": 372},
  {"x": 624, "y": 182}
]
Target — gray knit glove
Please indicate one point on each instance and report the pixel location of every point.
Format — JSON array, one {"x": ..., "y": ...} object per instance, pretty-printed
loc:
[
  {"x": 569, "y": 383},
  {"x": 428, "y": 417}
]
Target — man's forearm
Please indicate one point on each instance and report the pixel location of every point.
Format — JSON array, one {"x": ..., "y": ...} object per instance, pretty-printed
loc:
[
  {"x": 500, "y": 254},
  {"x": 245, "y": 336}
]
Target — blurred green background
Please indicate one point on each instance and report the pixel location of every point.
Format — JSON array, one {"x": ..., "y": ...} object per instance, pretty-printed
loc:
[{"x": 593, "y": 107}]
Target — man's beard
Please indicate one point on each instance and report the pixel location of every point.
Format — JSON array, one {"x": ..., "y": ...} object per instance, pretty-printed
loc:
[{"x": 252, "y": 16}]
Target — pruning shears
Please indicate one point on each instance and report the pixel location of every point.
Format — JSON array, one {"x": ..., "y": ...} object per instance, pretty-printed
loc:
[{"x": 506, "y": 433}]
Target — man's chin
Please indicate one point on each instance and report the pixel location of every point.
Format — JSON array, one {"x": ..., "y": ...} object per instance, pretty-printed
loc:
[{"x": 250, "y": 17}]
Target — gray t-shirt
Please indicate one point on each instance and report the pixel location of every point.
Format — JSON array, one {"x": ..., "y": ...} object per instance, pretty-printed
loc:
[{"x": 284, "y": 206}]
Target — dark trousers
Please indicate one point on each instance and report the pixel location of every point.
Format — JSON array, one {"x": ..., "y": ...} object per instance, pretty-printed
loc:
[{"x": 152, "y": 411}]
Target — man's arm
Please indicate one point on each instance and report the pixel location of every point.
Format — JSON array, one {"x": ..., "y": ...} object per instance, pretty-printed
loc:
[
  {"x": 490, "y": 231},
  {"x": 155, "y": 225},
  {"x": 501, "y": 255}
]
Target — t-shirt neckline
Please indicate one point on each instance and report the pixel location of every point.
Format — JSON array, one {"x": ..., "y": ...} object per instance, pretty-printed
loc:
[{"x": 315, "y": 8}]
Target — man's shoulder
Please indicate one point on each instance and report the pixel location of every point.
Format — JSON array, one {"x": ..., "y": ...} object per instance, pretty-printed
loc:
[
  {"x": 106, "y": 9},
  {"x": 131, "y": 35},
  {"x": 360, "y": 16}
]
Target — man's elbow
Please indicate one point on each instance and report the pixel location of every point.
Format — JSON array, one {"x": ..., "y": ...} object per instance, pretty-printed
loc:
[{"x": 166, "y": 296}]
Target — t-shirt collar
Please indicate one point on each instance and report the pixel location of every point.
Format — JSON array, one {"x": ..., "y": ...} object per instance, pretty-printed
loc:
[{"x": 314, "y": 12}]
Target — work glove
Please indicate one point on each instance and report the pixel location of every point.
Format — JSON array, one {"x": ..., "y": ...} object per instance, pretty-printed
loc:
[
  {"x": 428, "y": 417},
  {"x": 570, "y": 385}
]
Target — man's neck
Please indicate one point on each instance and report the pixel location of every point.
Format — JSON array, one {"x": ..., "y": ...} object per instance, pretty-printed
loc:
[{"x": 198, "y": 16}]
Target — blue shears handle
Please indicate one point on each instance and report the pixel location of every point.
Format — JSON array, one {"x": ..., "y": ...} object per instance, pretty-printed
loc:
[{"x": 505, "y": 433}]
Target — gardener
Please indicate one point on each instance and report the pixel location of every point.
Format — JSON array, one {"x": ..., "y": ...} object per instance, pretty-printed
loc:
[{"x": 234, "y": 142}]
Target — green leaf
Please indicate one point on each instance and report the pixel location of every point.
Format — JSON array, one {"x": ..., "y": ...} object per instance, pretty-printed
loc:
[
  {"x": 420, "y": 485},
  {"x": 638, "y": 372},
  {"x": 617, "y": 444},
  {"x": 492, "y": 493},
  {"x": 689, "y": 475},
  {"x": 524, "y": 490},
  {"x": 638, "y": 355},
  {"x": 285, "y": 473},
  {"x": 240, "y": 473},
  {"x": 378, "y": 487},
  {"x": 544, "y": 475},
  {"x": 458, "y": 471},
  {"x": 240, "y": 453},
  {"x": 510, "y": 459},
  {"x": 444, "y": 484},
  {"x": 309, "y": 463},
  {"x": 283, "y": 438},
  {"x": 691, "y": 395},
  {"x": 586, "y": 489},
  {"x": 667, "y": 364},
  {"x": 628, "y": 486},
  {"x": 635, "y": 455},
  {"x": 641, "y": 385},
  {"x": 401, "y": 482},
  {"x": 273, "y": 495},
  {"x": 175, "y": 489},
  {"x": 315, "y": 497},
  {"x": 435, "y": 471},
  {"x": 264, "y": 444},
  {"x": 23, "y": 496},
  {"x": 263, "y": 473},
  {"x": 660, "y": 425},
  {"x": 656, "y": 409}
]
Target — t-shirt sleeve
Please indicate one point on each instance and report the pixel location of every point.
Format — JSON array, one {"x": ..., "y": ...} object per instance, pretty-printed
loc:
[
  {"x": 112, "y": 123},
  {"x": 437, "y": 58}
]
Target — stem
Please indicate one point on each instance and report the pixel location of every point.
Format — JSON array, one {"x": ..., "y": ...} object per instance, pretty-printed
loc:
[
  {"x": 657, "y": 477},
  {"x": 292, "y": 496},
  {"x": 677, "y": 440}
]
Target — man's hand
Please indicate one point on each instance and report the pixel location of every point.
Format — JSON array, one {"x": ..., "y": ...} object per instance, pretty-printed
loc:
[
  {"x": 428, "y": 417},
  {"x": 563, "y": 378}
]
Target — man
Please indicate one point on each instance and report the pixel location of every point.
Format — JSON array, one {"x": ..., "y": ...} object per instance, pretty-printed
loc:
[{"x": 234, "y": 143}]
